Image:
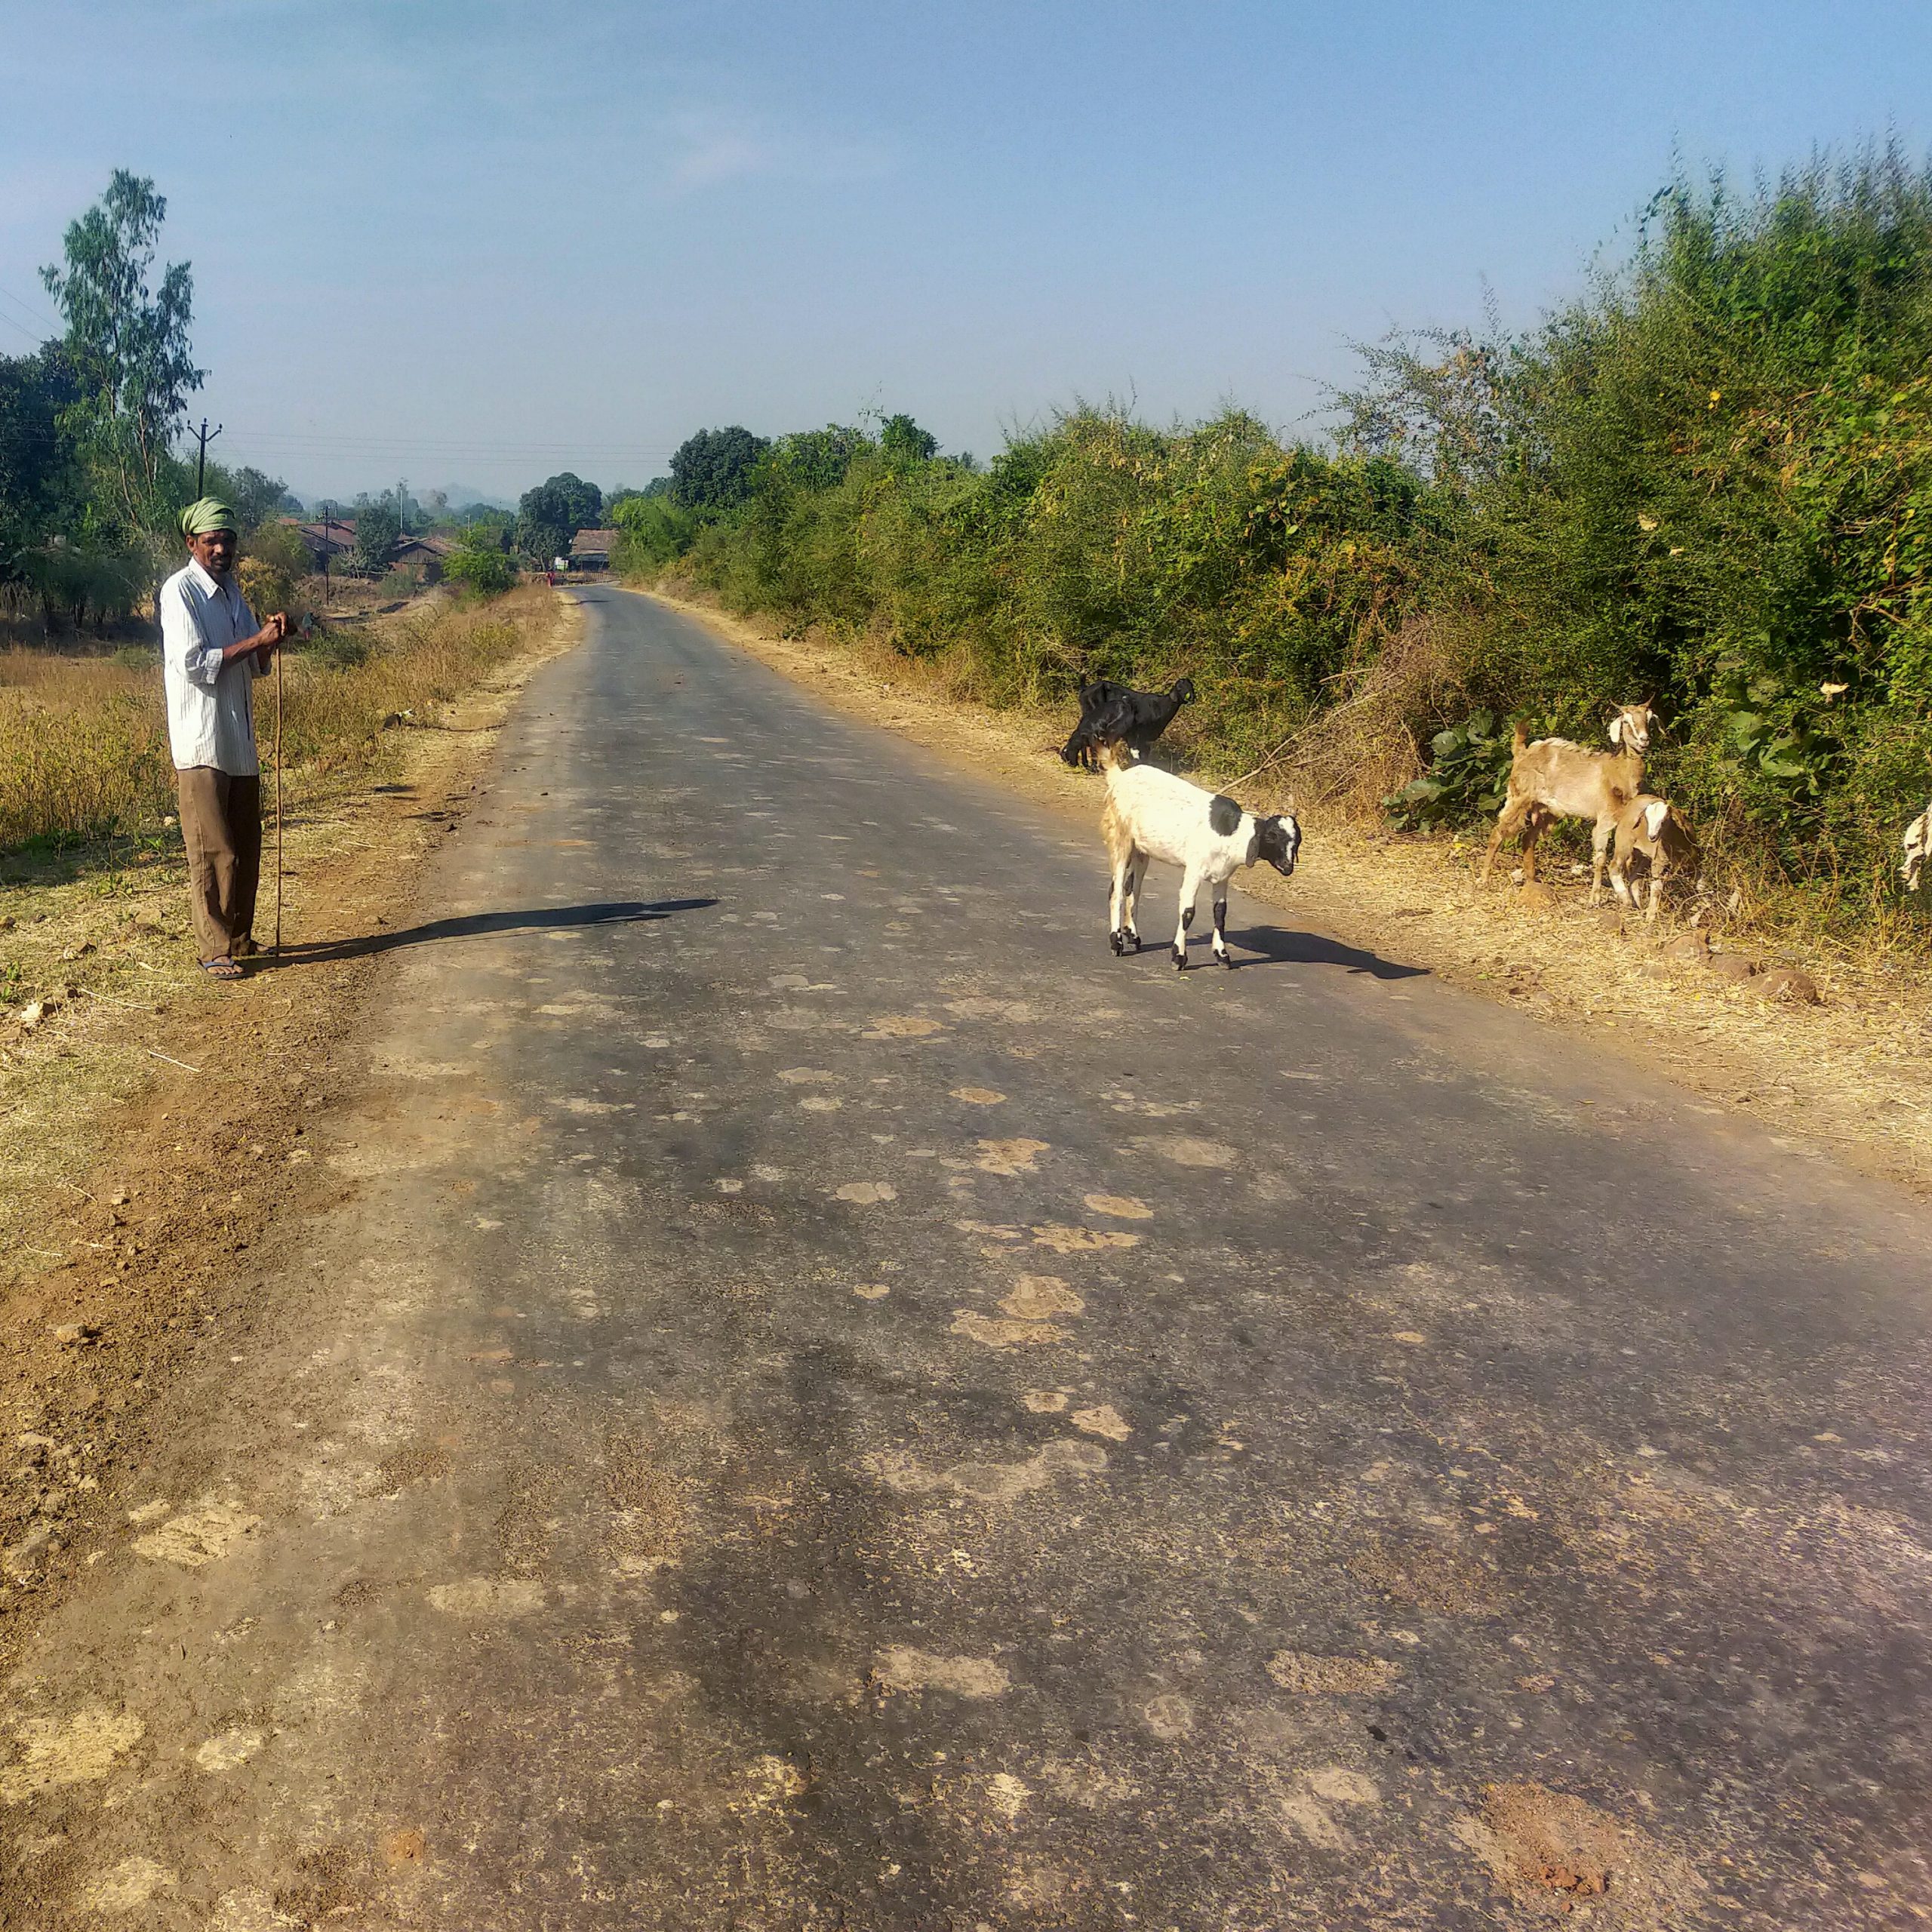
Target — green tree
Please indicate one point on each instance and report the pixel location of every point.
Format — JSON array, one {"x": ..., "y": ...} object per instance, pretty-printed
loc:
[
  {"x": 905, "y": 442},
  {"x": 254, "y": 496},
  {"x": 652, "y": 531},
  {"x": 378, "y": 530},
  {"x": 127, "y": 342},
  {"x": 479, "y": 564},
  {"x": 553, "y": 512},
  {"x": 711, "y": 471},
  {"x": 36, "y": 471}
]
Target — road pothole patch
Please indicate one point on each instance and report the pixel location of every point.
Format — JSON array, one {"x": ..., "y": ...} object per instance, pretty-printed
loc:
[
  {"x": 82, "y": 1750},
  {"x": 481, "y": 1599},
  {"x": 899, "y": 1667},
  {"x": 1307, "y": 1675},
  {"x": 199, "y": 1536},
  {"x": 1009, "y": 1158}
]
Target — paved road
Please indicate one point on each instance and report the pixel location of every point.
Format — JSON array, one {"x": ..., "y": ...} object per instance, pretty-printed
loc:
[{"x": 811, "y": 1395}]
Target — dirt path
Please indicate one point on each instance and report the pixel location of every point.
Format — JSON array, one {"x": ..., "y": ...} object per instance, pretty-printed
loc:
[
  {"x": 1850, "y": 1077},
  {"x": 156, "y": 1124}
]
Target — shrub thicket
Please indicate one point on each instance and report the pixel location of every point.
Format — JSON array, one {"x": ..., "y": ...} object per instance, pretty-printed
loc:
[{"x": 1706, "y": 481}]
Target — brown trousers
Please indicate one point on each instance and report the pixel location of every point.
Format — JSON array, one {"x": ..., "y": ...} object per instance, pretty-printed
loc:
[{"x": 221, "y": 825}]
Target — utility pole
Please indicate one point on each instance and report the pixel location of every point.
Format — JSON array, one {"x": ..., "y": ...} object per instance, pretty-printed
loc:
[
  {"x": 401, "y": 528},
  {"x": 328, "y": 539},
  {"x": 203, "y": 437}
]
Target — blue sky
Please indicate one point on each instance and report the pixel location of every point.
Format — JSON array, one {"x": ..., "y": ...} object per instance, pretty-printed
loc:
[{"x": 482, "y": 242}]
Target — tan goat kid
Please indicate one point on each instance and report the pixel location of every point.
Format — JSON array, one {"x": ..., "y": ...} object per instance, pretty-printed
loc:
[
  {"x": 1650, "y": 832},
  {"x": 1555, "y": 779}
]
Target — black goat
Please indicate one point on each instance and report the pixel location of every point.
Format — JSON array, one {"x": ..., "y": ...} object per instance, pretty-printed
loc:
[{"x": 1111, "y": 713}]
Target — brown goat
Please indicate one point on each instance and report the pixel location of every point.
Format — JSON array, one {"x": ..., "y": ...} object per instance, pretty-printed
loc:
[
  {"x": 1555, "y": 779},
  {"x": 1649, "y": 829}
]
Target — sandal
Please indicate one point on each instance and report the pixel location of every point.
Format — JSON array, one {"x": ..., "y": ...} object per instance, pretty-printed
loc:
[{"x": 222, "y": 969}]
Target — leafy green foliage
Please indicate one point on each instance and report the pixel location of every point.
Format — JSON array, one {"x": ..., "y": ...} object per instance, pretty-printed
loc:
[
  {"x": 38, "y": 475},
  {"x": 254, "y": 496},
  {"x": 127, "y": 343},
  {"x": 1467, "y": 779},
  {"x": 549, "y": 516},
  {"x": 901, "y": 441},
  {"x": 711, "y": 472},
  {"x": 479, "y": 563},
  {"x": 651, "y": 532},
  {"x": 1706, "y": 481},
  {"x": 91, "y": 580},
  {"x": 378, "y": 530}
]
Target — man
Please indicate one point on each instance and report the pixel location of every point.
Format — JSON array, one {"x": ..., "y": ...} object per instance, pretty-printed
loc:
[{"x": 212, "y": 649}]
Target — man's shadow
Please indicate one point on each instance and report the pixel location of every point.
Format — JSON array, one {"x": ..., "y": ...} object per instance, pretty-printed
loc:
[
  {"x": 1270, "y": 945},
  {"x": 536, "y": 918}
]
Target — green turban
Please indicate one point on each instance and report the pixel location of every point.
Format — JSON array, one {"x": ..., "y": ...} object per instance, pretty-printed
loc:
[{"x": 208, "y": 513}]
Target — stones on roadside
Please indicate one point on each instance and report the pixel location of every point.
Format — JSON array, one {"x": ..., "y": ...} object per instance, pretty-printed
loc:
[
  {"x": 75, "y": 1334},
  {"x": 1732, "y": 966},
  {"x": 1789, "y": 985}
]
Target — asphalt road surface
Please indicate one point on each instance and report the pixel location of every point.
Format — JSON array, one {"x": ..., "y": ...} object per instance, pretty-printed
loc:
[{"x": 819, "y": 1397}]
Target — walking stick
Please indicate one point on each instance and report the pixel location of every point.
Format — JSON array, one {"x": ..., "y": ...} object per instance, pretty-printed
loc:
[{"x": 278, "y": 804}]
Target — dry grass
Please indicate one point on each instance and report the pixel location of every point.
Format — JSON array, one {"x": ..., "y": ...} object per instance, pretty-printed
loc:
[
  {"x": 84, "y": 736},
  {"x": 1851, "y": 1077}
]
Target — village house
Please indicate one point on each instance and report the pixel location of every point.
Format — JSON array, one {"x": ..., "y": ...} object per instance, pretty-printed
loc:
[{"x": 590, "y": 549}]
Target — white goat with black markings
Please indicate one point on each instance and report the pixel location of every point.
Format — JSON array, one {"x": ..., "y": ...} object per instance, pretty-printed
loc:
[{"x": 1151, "y": 814}]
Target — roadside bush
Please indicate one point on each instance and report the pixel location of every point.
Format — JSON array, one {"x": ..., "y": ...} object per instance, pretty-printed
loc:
[
  {"x": 478, "y": 566},
  {"x": 1706, "y": 481},
  {"x": 1468, "y": 778}
]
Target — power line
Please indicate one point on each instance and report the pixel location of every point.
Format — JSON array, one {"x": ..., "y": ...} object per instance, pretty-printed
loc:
[
  {"x": 436, "y": 445},
  {"x": 33, "y": 312}
]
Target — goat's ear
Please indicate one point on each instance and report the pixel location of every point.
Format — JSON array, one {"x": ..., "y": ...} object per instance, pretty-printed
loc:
[{"x": 1617, "y": 729}]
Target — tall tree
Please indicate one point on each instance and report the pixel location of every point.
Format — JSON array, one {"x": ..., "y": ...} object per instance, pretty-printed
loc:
[
  {"x": 711, "y": 471},
  {"x": 378, "y": 529},
  {"x": 253, "y": 495},
  {"x": 34, "y": 469},
  {"x": 904, "y": 442},
  {"x": 549, "y": 515},
  {"x": 127, "y": 342}
]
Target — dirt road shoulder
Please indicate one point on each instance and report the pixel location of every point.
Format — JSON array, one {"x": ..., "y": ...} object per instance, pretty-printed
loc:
[
  {"x": 1848, "y": 1077},
  {"x": 155, "y": 1119}
]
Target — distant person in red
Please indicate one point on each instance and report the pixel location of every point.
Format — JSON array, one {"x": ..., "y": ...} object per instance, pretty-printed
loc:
[{"x": 212, "y": 649}]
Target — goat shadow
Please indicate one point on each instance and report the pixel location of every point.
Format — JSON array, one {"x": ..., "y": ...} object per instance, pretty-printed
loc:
[
  {"x": 1270, "y": 945},
  {"x": 536, "y": 918}
]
